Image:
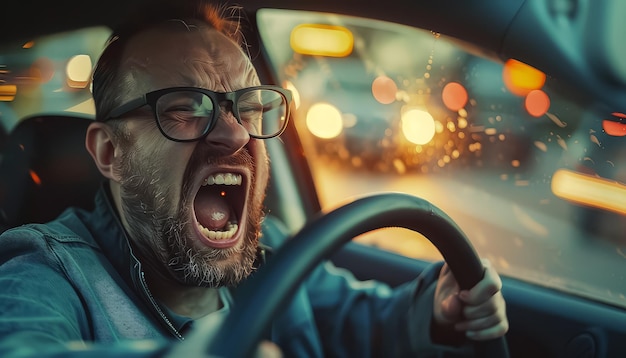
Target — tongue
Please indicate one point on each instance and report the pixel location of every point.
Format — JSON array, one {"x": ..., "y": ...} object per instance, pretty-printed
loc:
[{"x": 212, "y": 211}]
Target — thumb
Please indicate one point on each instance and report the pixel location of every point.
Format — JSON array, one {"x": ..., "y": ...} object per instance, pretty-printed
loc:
[{"x": 451, "y": 309}]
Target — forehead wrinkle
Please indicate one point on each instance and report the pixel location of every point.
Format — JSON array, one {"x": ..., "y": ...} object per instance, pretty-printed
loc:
[
  {"x": 214, "y": 62},
  {"x": 202, "y": 73},
  {"x": 222, "y": 76}
]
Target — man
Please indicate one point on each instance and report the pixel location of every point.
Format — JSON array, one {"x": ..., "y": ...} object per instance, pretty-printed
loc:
[{"x": 177, "y": 224}]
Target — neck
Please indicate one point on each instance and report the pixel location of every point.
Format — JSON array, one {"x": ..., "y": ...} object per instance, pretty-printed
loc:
[{"x": 189, "y": 301}]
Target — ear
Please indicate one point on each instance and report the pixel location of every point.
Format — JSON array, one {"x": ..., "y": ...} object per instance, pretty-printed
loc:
[{"x": 99, "y": 143}]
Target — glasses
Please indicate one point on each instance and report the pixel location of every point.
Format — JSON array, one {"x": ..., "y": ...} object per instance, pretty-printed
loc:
[{"x": 185, "y": 114}]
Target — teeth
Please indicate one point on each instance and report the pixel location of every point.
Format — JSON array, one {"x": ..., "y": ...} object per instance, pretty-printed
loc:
[
  {"x": 231, "y": 228},
  {"x": 223, "y": 179}
]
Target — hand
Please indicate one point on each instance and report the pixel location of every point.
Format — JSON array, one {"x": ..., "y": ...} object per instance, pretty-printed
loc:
[{"x": 479, "y": 312}]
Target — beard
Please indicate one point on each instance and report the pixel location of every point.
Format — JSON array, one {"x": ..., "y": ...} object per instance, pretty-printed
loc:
[{"x": 162, "y": 237}]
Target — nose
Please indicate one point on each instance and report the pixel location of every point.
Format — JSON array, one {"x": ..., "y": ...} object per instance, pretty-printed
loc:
[{"x": 228, "y": 135}]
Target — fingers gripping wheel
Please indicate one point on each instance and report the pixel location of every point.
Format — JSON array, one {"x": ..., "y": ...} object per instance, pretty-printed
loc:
[{"x": 257, "y": 301}]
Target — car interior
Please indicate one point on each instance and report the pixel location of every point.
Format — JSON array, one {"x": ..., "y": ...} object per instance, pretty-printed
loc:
[
  {"x": 44, "y": 167},
  {"x": 41, "y": 164}
]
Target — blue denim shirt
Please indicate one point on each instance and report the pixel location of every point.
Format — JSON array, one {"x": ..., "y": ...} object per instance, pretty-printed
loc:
[{"x": 72, "y": 287}]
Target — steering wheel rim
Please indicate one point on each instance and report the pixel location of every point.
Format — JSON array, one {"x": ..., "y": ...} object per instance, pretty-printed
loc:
[{"x": 274, "y": 284}]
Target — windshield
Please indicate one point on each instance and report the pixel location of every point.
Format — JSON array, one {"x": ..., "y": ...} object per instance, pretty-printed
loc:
[{"x": 531, "y": 171}]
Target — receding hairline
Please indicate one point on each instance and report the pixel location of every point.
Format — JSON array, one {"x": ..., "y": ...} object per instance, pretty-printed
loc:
[{"x": 225, "y": 19}]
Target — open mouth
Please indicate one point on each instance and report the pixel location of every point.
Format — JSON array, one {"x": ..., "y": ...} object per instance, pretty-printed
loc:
[{"x": 219, "y": 206}]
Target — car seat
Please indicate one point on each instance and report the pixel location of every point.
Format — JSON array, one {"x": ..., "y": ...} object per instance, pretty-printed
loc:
[
  {"x": 3, "y": 135},
  {"x": 45, "y": 168}
]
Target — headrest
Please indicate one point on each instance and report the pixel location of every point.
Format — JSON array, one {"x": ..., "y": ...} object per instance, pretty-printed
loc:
[{"x": 45, "y": 168}]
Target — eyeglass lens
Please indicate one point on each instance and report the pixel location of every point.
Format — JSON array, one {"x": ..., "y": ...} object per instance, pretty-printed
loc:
[{"x": 186, "y": 115}]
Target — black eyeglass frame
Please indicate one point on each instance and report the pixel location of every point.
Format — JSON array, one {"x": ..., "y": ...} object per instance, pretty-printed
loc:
[{"x": 152, "y": 97}]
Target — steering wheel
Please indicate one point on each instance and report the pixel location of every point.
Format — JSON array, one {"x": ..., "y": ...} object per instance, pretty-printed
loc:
[{"x": 258, "y": 299}]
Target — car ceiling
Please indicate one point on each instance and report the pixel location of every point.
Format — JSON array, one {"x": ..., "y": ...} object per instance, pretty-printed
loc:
[{"x": 551, "y": 35}]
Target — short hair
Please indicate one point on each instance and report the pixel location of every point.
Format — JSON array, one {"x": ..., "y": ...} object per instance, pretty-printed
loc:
[{"x": 107, "y": 85}]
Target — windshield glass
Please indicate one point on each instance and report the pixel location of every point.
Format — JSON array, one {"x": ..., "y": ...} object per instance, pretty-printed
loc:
[{"x": 531, "y": 171}]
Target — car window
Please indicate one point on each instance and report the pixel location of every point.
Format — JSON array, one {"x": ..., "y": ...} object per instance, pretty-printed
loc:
[
  {"x": 531, "y": 170},
  {"x": 50, "y": 74}
]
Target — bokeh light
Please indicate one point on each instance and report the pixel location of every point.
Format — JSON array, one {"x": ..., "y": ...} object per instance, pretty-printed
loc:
[
  {"x": 35, "y": 177},
  {"x": 520, "y": 78},
  {"x": 537, "y": 103},
  {"x": 7, "y": 92},
  {"x": 42, "y": 70},
  {"x": 78, "y": 71},
  {"x": 589, "y": 190},
  {"x": 454, "y": 96},
  {"x": 322, "y": 40},
  {"x": 615, "y": 129},
  {"x": 384, "y": 89},
  {"x": 324, "y": 120},
  {"x": 418, "y": 126}
]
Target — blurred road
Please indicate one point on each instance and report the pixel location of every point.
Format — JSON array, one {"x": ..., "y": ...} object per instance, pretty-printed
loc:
[{"x": 528, "y": 234}]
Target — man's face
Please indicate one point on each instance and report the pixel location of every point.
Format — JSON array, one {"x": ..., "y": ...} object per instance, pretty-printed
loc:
[{"x": 193, "y": 210}]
